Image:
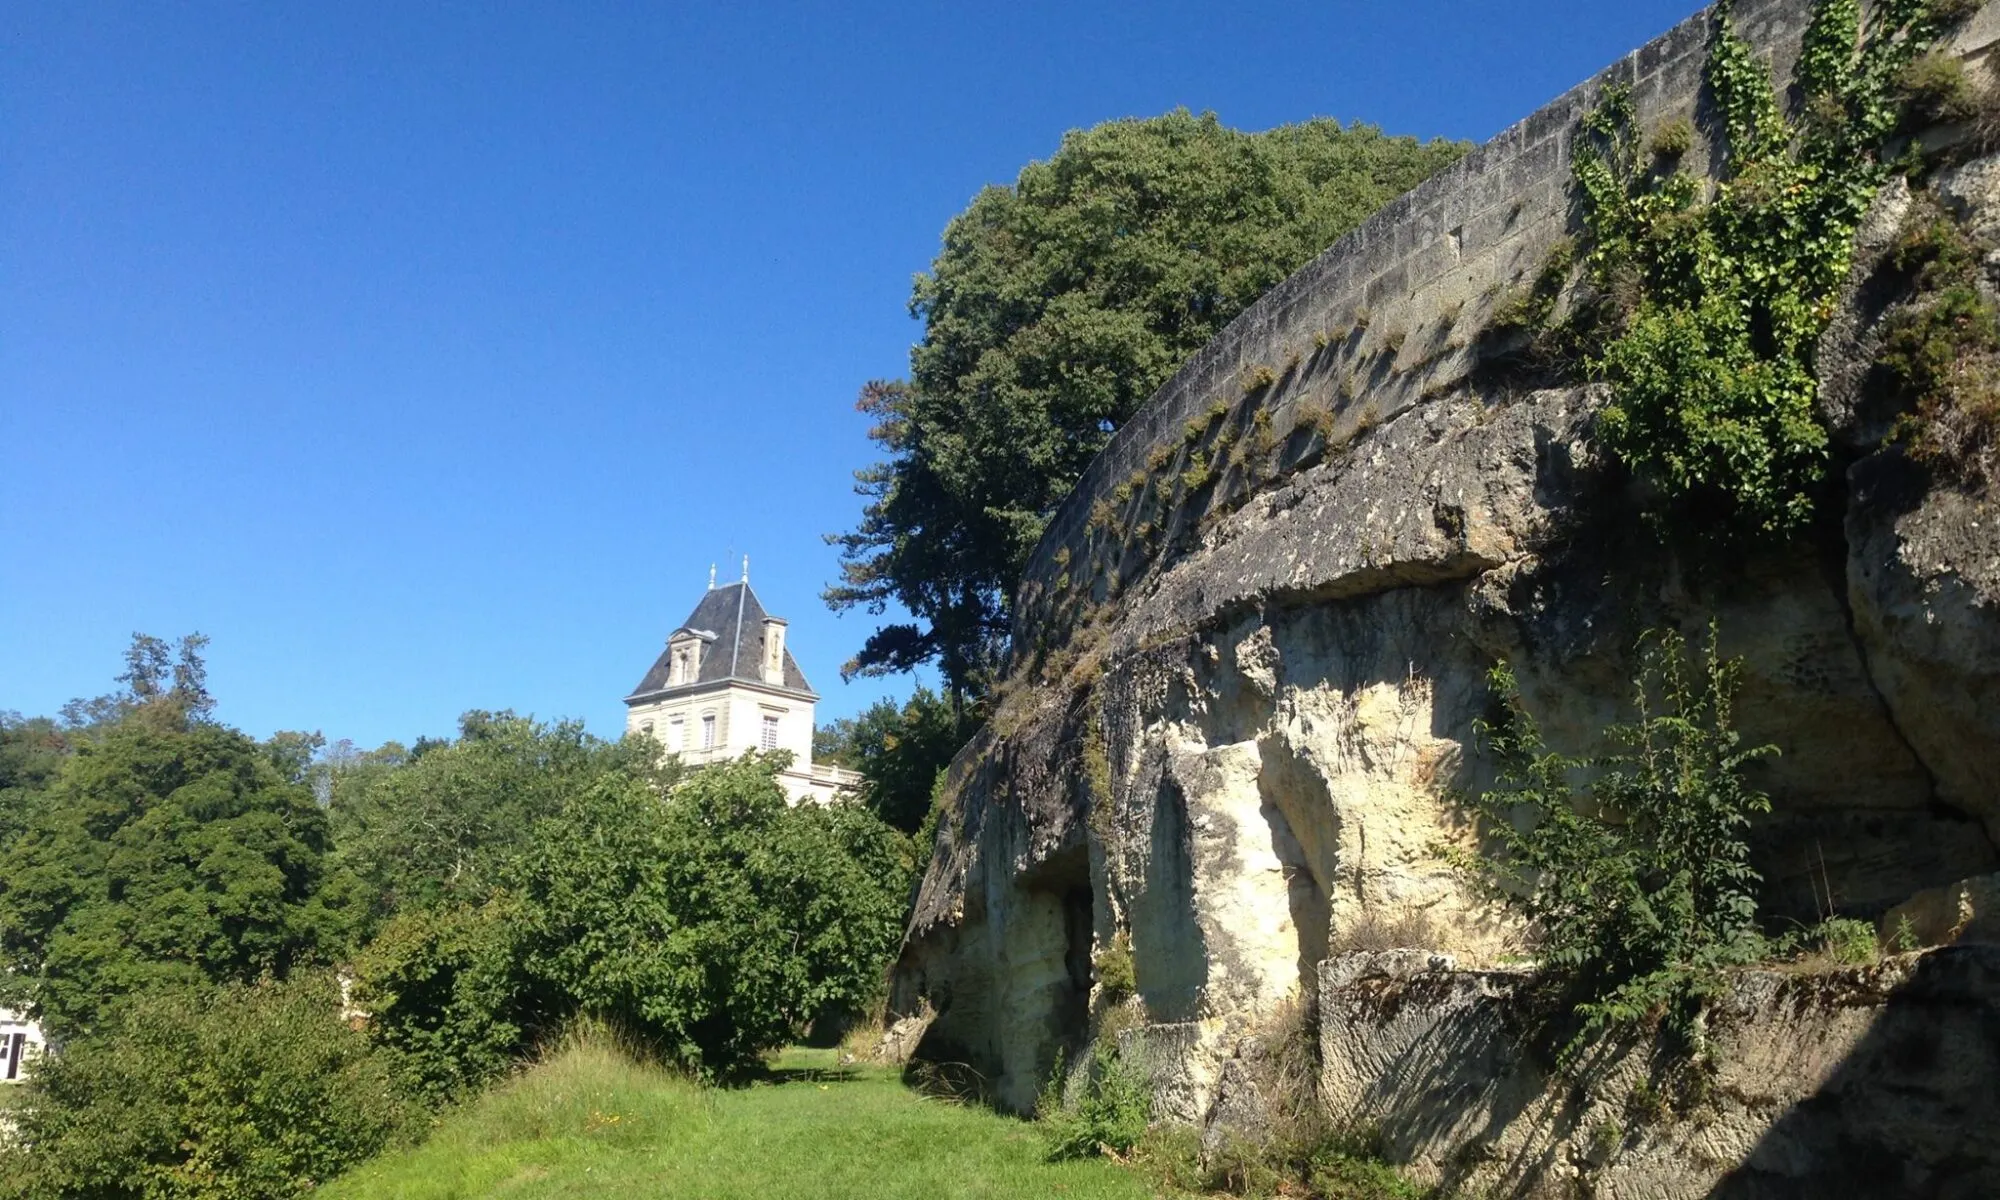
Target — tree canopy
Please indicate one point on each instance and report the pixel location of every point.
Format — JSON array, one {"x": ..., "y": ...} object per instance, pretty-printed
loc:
[
  {"x": 164, "y": 854},
  {"x": 899, "y": 750},
  {"x": 441, "y": 821},
  {"x": 713, "y": 920},
  {"x": 1054, "y": 309}
]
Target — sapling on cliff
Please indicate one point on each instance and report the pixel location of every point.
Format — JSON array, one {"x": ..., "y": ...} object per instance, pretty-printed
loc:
[{"x": 1638, "y": 882}]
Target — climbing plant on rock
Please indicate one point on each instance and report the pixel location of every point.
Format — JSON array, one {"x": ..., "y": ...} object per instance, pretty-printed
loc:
[{"x": 1715, "y": 303}]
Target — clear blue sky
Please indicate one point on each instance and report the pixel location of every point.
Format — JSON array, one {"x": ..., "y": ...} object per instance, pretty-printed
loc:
[{"x": 425, "y": 355}]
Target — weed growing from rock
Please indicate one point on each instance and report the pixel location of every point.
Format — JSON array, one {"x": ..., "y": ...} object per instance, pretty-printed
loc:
[
  {"x": 1941, "y": 354},
  {"x": 1105, "y": 1112},
  {"x": 1639, "y": 883}
]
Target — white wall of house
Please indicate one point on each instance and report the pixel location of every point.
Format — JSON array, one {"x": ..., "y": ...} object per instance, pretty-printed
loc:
[
  {"x": 21, "y": 1043},
  {"x": 740, "y": 711}
]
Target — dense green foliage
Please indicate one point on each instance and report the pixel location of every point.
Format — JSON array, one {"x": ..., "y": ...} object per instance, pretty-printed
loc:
[
  {"x": 718, "y": 920},
  {"x": 1056, "y": 307},
  {"x": 1709, "y": 310},
  {"x": 899, "y": 750},
  {"x": 445, "y": 823},
  {"x": 1633, "y": 868},
  {"x": 168, "y": 852},
  {"x": 711, "y": 920},
  {"x": 166, "y": 879},
  {"x": 449, "y": 990},
  {"x": 32, "y": 750},
  {"x": 222, "y": 1094},
  {"x": 1105, "y": 1109}
]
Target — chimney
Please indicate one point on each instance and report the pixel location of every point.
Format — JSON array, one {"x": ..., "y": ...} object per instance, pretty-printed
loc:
[{"x": 774, "y": 651}]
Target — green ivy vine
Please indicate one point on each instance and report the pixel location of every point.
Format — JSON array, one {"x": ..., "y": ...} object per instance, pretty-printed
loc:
[{"x": 1709, "y": 301}]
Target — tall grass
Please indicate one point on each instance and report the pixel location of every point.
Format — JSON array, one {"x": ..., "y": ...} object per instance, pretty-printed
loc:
[{"x": 595, "y": 1119}]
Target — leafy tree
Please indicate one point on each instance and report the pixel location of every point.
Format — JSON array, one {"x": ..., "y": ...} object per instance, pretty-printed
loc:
[
  {"x": 899, "y": 750},
  {"x": 833, "y": 743},
  {"x": 292, "y": 752},
  {"x": 440, "y": 824},
  {"x": 714, "y": 921},
  {"x": 168, "y": 684},
  {"x": 163, "y": 855},
  {"x": 216, "y": 1094},
  {"x": 1054, "y": 309},
  {"x": 32, "y": 750},
  {"x": 174, "y": 677}
]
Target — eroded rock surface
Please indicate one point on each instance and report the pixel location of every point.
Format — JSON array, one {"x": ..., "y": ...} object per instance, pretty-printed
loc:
[
  {"x": 1244, "y": 768},
  {"x": 1873, "y": 1081}
]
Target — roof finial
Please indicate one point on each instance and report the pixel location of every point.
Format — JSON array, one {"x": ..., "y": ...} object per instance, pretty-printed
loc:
[
  {"x": 711, "y": 577},
  {"x": 746, "y": 568}
]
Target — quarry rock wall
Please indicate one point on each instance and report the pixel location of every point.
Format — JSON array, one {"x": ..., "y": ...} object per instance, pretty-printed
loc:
[
  {"x": 1252, "y": 650},
  {"x": 1390, "y": 315}
]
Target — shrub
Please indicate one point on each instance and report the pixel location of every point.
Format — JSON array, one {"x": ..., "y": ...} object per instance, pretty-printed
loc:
[
  {"x": 1941, "y": 354},
  {"x": 1639, "y": 885},
  {"x": 257, "y": 1090},
  {"x": 1938, "y": 90},
  {"x": 448, "y": 990},
  {"x": 1409, "y": 929},
  {"x": 1842, "y": 940},
  {"x": 1257, "y": 378},
  {"x": 1673, "y": 139},
  {"x": 1116, "y": 971},
  {"x": 1340, "y": 1174},
  {"x": 716, "y": 922},
  {"x": 1109, "y": 1112}
]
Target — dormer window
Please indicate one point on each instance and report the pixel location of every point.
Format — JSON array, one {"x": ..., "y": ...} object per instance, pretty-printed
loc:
[
  {"x": 683, "y": 659},
  {"x": 774, "y": 651}
]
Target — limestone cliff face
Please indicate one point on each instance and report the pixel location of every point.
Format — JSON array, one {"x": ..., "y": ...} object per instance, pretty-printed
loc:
[{"x": 1243, "y": 711}]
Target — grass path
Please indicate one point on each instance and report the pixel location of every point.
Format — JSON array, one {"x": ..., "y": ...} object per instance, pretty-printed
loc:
[{"x": 589, "y": 1122}]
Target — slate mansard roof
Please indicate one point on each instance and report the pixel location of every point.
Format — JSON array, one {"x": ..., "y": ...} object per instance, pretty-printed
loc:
[{"x": 731, "y": 624}]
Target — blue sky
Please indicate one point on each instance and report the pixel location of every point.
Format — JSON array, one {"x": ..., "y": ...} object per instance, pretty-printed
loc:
[{"x": 425, "y": 356}]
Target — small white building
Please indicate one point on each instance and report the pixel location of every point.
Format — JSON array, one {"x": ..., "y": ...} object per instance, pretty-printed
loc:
[
  {"x": 727, "y": 684},
  {"x": 20, "y": 1044}
]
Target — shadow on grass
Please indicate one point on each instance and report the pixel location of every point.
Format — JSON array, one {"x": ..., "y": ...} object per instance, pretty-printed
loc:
[{"x": 766, "y": 1076}]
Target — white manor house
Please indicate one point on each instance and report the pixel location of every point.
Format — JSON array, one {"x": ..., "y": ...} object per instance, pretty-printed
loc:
[{"x": 726, "y": 684}]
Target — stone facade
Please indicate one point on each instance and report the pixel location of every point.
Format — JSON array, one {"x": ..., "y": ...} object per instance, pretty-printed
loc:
[{"x": 1387, "y": 318}]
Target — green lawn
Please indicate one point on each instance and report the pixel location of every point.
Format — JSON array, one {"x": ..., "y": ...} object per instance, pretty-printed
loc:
[{"x": 589, "y": 1122}]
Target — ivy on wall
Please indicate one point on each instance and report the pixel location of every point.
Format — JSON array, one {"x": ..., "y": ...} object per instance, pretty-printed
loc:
[{"x": 1708, "y": 301}]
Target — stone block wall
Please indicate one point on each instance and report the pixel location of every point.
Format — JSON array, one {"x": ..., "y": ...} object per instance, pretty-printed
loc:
[{"x": 1387, "y": 318}]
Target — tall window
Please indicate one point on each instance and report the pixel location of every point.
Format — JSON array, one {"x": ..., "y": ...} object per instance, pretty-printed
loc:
[
  {"x": 676, "y": 735},
  {"x": 708, "y": 731},
  {"x": 768, "y": 739}
]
